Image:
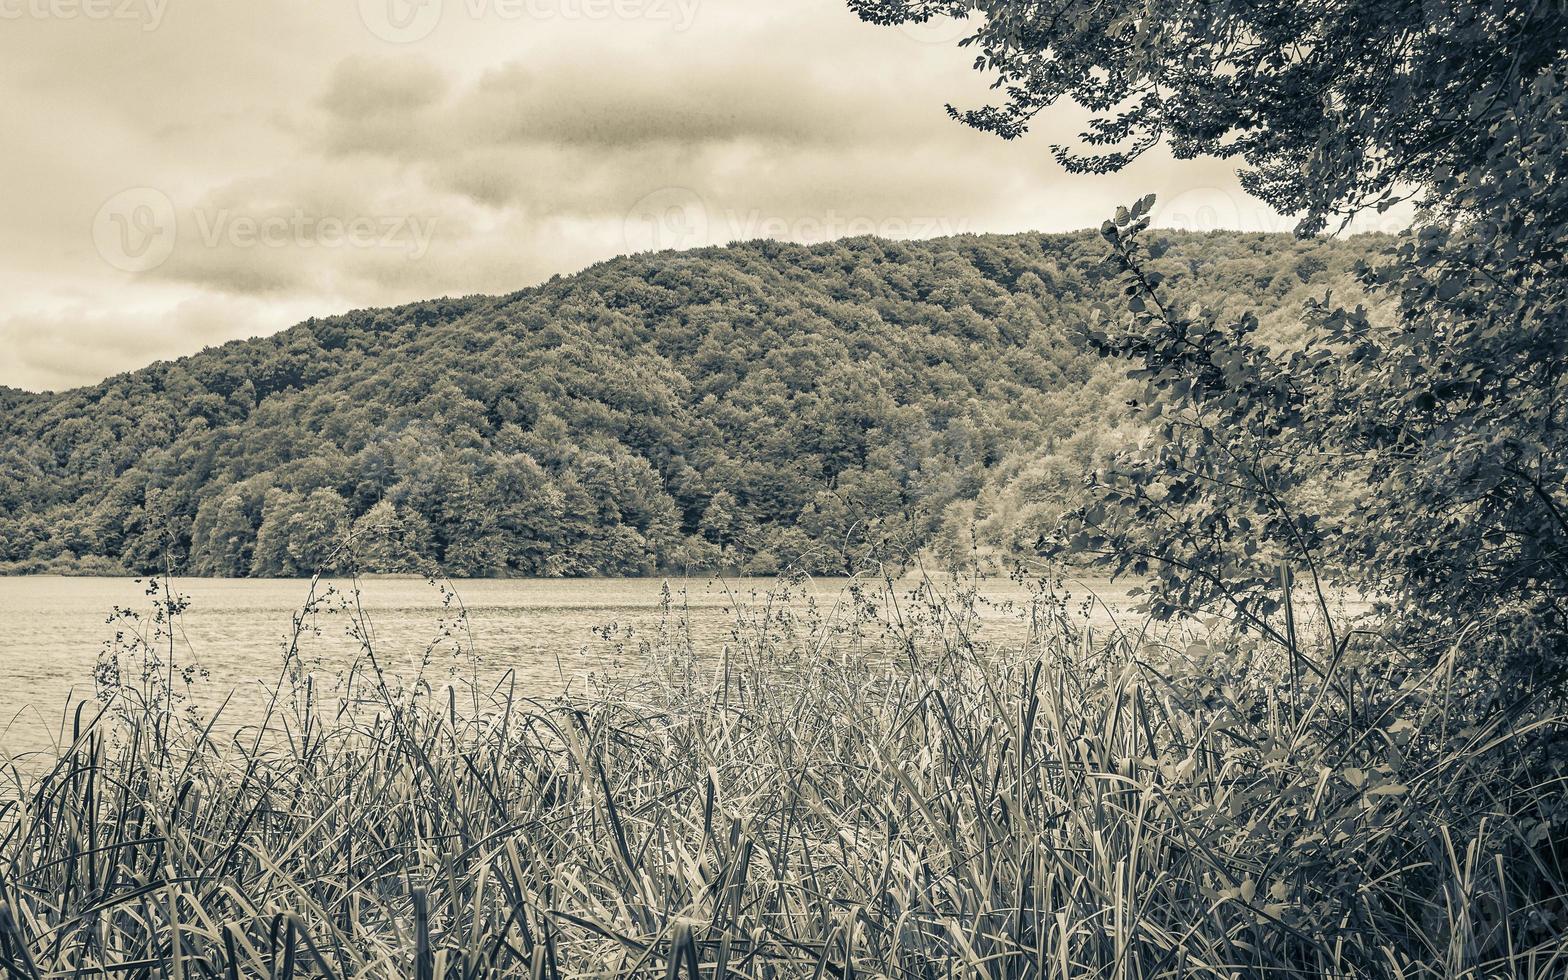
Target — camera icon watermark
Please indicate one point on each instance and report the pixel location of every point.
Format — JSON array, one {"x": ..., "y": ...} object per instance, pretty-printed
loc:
[{"x": 135, "y": 230}]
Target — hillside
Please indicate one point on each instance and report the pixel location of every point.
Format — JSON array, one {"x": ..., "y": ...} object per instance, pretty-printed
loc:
[{"x": 756, "y": 405}]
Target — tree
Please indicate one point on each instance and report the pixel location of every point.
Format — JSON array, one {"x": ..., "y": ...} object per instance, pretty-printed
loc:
[
  {"x": 271, "y": 554},
  {"x": 628, "y": 395},
  {"x": 387, "y": 540},
  {"x": 721, "y": 520},
  {"x": 301, "y": 534},
  {"x": 1443, "y": 423},
  {"x": 317, "y": 532},
  {"x": 1334, "y": 105},
  {"x": 222, "y": 537},
  {"x": 527, "y": 509}
]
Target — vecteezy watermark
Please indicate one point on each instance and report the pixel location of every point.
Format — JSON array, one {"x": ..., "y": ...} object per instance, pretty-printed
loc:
[
  {"x": 670, "y": 217},
  {"x": 136, "y": 230},
  {"x": 149, "y": 13},
  {"x": 944, "y": 29},
  {"x": 400, "y": 21},
  {"x": 1201, "y": 209},
  {"x": 679, "y": 14},
  {"x": 301, "y": 229},
  {"x": 679, "y": 218},
  {"x": 405, "y": 21},
  {"x": 830, "y": 224}
]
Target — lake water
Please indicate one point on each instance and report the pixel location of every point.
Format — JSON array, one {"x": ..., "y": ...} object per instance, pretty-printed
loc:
[{"x": 552, "y": 634}]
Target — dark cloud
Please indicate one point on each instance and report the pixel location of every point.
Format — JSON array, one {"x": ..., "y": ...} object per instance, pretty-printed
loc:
[
  {"x": 381, "y": 105},
  {"x": 362, "y": 86},
  {"x": 636, "y": 103}
]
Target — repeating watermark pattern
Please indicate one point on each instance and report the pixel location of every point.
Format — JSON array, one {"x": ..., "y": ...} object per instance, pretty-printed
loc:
[
  {"x": 1203, "y": 209},
  {"x": 148, "y": 13},
  {"x": 406, "y": 21},
  {"x": 136, "y": 230},
  {"x": 670, "y": 217},
  {"x": 679, "y": 218},
  {"x": 941, "y": 30},
  {"x": 301, "y": 229},
  {"x": 400, "y": 21},
  {"x": 830, "y": 224}
]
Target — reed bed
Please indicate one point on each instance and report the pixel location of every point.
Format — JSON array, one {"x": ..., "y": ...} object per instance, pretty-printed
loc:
[{"x": 862, "y": 790}]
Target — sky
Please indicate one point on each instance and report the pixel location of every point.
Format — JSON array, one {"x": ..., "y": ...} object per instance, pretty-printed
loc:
[{"x": 180, "y": 173}]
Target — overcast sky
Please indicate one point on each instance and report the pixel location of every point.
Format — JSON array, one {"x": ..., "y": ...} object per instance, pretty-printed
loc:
[{"x": 178, "y": 173}]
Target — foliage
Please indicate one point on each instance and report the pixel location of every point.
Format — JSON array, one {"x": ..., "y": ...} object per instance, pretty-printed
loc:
[
  {"x": 1333, "y": 105},
  {"x": 1420, "y": 455},
  {"x": 759, "y": 406},
  {"x": 805, "y": 807}
]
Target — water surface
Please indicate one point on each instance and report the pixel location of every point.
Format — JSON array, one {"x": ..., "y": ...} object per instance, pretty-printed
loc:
[{"x": 551, "y": 635}]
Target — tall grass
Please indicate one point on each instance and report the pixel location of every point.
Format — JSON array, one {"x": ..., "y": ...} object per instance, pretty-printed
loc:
[{"x": 864, "y": 790}]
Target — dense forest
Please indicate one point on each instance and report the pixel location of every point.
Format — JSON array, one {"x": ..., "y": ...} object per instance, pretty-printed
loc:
[{"x": 757, "y": 406}]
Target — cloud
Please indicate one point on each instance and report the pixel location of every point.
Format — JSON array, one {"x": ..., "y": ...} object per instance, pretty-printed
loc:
[
  {"x": 363, "y": 86},
  {"x": 381, "y": 105},
  {"x": 293, "y": 232},
  {"x": 66, "y": 348},
  {"x": 567, "y": 139},
  {"x": 639, "y": 102},
  {"x": 310, "y": 166}
]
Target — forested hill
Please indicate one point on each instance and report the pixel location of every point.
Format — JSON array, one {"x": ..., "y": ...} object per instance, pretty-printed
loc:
[{"x": 756, "y": 405}]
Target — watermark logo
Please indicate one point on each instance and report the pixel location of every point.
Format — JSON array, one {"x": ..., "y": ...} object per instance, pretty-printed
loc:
[
  {"x": 679, "y": 14},
  {"x": 1199, "y": 209},
  {"x": 946, "y": 27},
  {"x": 301, "y": 229},
  {"x": 830, "y": 225},
  {"x": 400, "y": 21},
  {"x": 148, "y": 13},
  {"x": 406, "y": 21},
  {"x": 679, "y": 218},
  {"x": 670, "y": 217},
  {"x": 1204, "y": 209},
  {"x": 940, "y": 30},
  {"x": 135, "y": 230}
]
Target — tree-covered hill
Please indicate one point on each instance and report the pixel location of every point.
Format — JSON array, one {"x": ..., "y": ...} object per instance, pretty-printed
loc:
[{"x": 757, "y": 405}]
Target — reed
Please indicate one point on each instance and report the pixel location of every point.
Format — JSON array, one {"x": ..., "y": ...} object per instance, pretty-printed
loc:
[{"x": 860, "y": 790}]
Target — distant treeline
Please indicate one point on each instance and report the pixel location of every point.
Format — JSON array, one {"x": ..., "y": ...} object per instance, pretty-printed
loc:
[{"x": 761, "y": 405}]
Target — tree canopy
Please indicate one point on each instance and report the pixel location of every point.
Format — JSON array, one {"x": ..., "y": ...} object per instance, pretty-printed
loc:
[
  {"x": 758, "y": 406},
  {"x": 1422, "y": 455},
  {"x": 1332, "y": 105}
]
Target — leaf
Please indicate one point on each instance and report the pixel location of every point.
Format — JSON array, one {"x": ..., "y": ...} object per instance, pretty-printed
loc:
[{"x": 1388, "y": 789}]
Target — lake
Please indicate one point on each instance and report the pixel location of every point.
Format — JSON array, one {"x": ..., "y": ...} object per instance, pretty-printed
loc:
[{"x": 553, "y": 633}]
